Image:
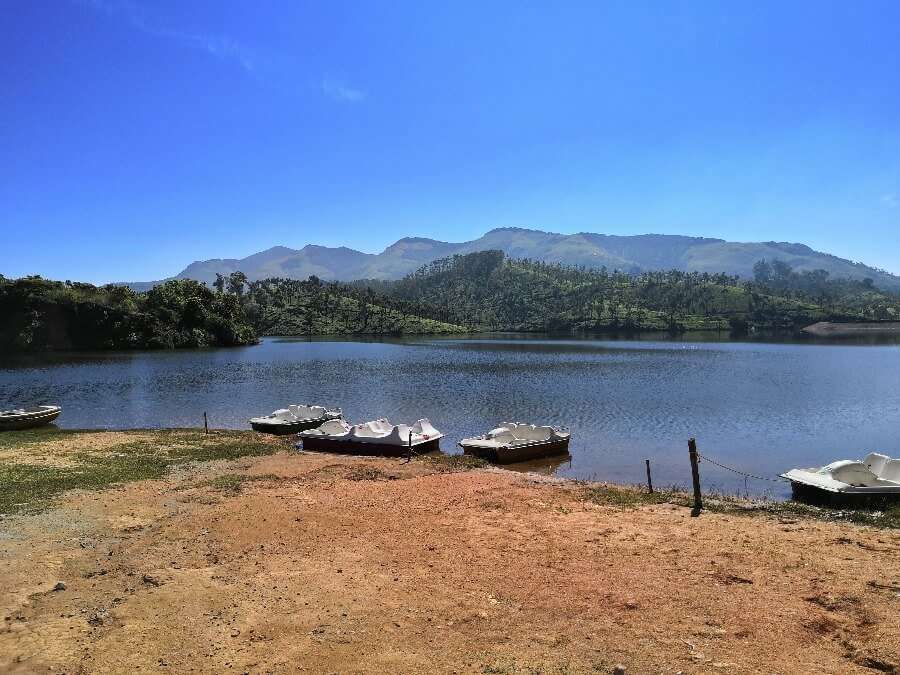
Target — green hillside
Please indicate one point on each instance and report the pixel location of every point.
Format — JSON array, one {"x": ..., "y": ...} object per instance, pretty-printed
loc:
[
  {"x": 488, "y": 291},
  {"x": 291, "y": 307},
  {"x": 481, "y": 291}
]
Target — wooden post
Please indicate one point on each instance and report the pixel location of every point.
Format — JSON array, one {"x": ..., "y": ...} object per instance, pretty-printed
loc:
[
  {"x": 205, "y": 423},
  {"x": 649, "y": 480},
  {"x": 695, "y": 477}
]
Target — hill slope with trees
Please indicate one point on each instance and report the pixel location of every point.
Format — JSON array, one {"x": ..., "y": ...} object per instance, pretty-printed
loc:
[
  {"x": 488, "y": 291},
  {"x": 37, "y": 314},
  {"x": 481, "y": 291},
  {"x": 311, "y": 307}
]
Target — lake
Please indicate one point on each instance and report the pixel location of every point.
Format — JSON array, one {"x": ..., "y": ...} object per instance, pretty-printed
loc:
[{"x": 759, "y": 407}]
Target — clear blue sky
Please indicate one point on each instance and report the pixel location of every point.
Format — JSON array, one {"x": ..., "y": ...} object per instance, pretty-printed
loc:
[{"x": 138, "y": 135}]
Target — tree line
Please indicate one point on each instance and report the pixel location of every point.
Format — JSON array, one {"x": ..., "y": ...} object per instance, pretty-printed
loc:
[
  {"x": 37, "y": 314},
  {"x": 486, "y": 291},
  {"x": 483, "y": 291}
]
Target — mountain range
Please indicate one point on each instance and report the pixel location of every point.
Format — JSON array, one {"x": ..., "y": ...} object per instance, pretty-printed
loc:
[{"x": 637, "y": 253}]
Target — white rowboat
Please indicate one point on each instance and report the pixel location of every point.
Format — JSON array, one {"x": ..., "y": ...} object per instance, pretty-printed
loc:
[
  {"x": 294, "y": 418},
  {"x": 517, "y": 442},
  {"x": 875, "y": 476},
  {"x": 27, "y": 418},
  {"x": 378, "y": 437}
]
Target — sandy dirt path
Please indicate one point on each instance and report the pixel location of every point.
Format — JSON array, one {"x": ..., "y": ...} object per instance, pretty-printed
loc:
[{"x": 330, "y": 564}]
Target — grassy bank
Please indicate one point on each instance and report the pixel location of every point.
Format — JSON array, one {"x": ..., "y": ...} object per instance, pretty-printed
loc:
[
  {"x": 631, "y": 497},
  {"x": 38, "y": 465}
]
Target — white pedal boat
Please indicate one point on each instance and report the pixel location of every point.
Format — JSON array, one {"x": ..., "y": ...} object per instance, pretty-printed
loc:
[
  {"x": 517, "y": 442},
  {"x": 877, "y": 475},
  {"x": 27, "y": 418},
  {"x": 294, "y": 418},
  {"x": 378, "y": 437}
]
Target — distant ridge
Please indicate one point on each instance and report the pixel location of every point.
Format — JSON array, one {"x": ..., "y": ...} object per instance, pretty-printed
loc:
[{"x": 636, "y": 253}]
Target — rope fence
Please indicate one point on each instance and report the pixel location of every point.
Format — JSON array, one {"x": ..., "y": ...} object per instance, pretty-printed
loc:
[
  {"x": 742, "y": 473},
  {"x": 695, "y": 458}
]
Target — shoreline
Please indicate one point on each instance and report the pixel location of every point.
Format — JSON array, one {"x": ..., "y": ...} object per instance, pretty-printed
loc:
[
  {"x": 825, "y": 333},
  {"x": 543, "y": 468},
  {"x": 22, "y": 447},
  {"x": 833, "y": 329}
]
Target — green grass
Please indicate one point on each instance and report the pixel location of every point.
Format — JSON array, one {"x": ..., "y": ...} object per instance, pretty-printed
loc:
[
  {"x": 366, "y": 473},
  {"x": 888, "y": 517},
  {"x": 18, "y": 439},
  {"x": 625, "y": 497},
  {"x": 452, "y": 463},
  {"x": 179, "y": 445},
  {"x": 233, "y": 483},
  {"x": 632, "y": 497},
  {"x": 30, "y": 488}
]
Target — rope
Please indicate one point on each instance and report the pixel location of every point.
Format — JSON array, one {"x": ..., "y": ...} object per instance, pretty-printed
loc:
[{"x": 743, "y": 473}]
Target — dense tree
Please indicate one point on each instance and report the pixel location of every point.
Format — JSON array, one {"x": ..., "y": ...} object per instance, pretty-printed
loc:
[
  {"x": 37, "y": 314},
  {"x": 312, "y": 307},
  {"x": 236, "y": 283}
]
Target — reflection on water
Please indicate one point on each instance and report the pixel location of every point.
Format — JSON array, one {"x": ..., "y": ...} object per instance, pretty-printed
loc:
[
  {"x": 545, "y": 465},
  {"x": 761, "y": 407}
]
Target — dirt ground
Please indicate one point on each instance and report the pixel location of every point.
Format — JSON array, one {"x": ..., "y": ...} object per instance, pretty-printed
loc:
[{"x": 316, "y": 563}]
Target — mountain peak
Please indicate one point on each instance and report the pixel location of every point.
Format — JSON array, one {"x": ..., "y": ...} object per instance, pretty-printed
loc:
[
  {"x": 645, "y": 252},
  {"x": 317, "y": 247},
  {"x": 511, "y": 228}
]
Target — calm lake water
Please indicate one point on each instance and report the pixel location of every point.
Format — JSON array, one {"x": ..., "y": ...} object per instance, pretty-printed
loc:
[{"x": 760, "y": 407}]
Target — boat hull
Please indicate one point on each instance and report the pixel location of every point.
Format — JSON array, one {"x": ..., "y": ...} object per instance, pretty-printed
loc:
[
  {"x": 519, "y": 453},
  {"x": 29, "y": 421},
  {"x": 812, "y": 494},
  {"x": 351, "y": 447},
  {"x": 285, "y": 429}
]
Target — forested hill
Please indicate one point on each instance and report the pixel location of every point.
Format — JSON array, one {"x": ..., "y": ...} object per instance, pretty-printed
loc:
[
  {"x": 37, "y": 314},
  {"x": 311, "y": 307},
  {"x": 482, "y": 291},
  {"x": 486, "y": 290}
]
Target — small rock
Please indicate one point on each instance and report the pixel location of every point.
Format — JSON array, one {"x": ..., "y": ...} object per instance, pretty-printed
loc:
[
  {"x": 151, "y": 580},
  {"x": 619, "y": 670},
  {"x": 235, "y": 632},
  {"x": 98, "y": 618},
  {"x": 60, "y": 586}
]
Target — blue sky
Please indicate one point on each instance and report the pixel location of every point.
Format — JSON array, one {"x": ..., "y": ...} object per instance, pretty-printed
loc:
[{"x": 137, "y": 136}]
